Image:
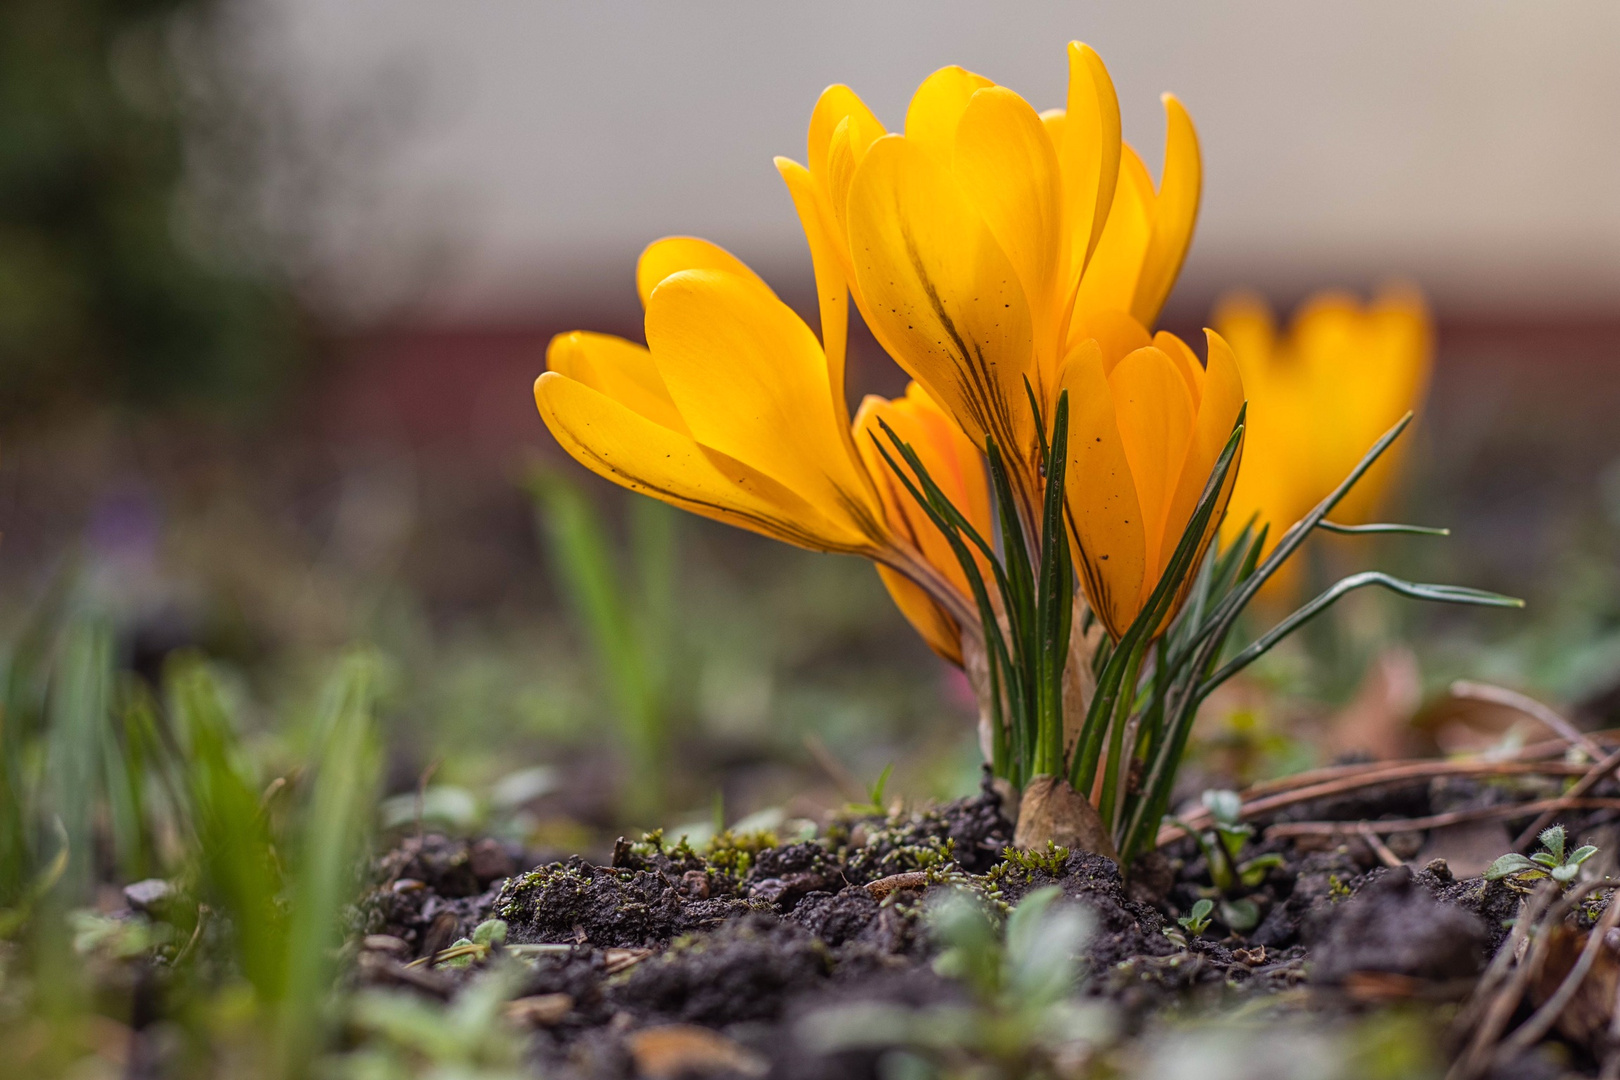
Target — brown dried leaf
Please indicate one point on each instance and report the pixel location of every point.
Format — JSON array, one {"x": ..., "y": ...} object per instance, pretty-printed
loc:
[
  {"x": 664, "y": 1053},
  {"x": 1588, "y": 1014}
]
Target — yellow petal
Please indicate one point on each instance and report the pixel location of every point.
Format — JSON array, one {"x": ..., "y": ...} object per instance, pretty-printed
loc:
[
  {"x": 838, "y": 106},
  {"x": 1090, "y": 152},
  {"x": 936, "y": 108},
  {"x": 633, "y": 451},
  {"x": 1115, "y": 268},
  {"x": 751, "y": 381},
  {"x": 1155, "y": 417},
  {"x": 1052, "y": 120},
  {"x": 1217, "y": 413},
  {"x": 832, "y": 293},
  {"x": 673, "y": 254},
  {"x": 621, "y": 369},
  {"x": 843, "y": 156},
  {"x": 1006, "y": 167},
  {"x": 954, "y": 464},
  {"x": 951, "y": 460},
  {"x": 1175, "y": 212},
  {"x": 1186, "y": 363},
  {"x": 1104, "y": 513},
  {"x": 939, "y": 293},
  {"x": 1116, "y": 333}
]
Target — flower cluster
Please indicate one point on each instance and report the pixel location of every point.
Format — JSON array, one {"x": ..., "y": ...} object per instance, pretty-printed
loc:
[
  {"x": 1043, "y": 503},
  {"x": 1000, "y": 256}
]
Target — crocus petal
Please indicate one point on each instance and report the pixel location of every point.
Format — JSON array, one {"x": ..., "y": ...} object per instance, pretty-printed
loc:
[
  {"x": 1115, "y": 268},
  {"x": 832, "y": 293},
  {"x": 951, "y": 460},
  {"x": 1155, "y": 416},
  {"x": 623, "y": 446},
  {"x": 1175, "y": 212},
  {"x": 1089, "y": 151},
  {"x": 1006, "y": 167},
  {"x": 1186, "y": 361},
  {"x": 955, "y": 465},
  {"x": 1116, "y": 333},
  {"x": 751, "y": 381},
  {"x": 673, "y": 254},
  {"x": 1222, "y": 400},
  {"x": 1104, "y": 513},
  {"x": 838, "y": 106},
  {"x": 621, "y": 369},
  {"x": 937, "y": 107},
  {"x": 940, "y": 295}
]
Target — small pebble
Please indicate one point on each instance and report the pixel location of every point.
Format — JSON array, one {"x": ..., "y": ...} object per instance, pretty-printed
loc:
[
  {"x": 386, "y": 943},
  {"x": 542, "y": 1010},
  {"x": 143, "y": 896}
]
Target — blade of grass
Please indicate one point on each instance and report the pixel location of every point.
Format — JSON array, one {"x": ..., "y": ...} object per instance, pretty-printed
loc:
[
  {"x": 580, "y": 554},
  {"x": 325, "y": 876}
]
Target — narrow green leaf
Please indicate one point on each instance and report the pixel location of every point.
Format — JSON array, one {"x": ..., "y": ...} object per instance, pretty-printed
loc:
[
  {"x": 1448, "y": 594},
  {"x": 1380, "y": 527}
]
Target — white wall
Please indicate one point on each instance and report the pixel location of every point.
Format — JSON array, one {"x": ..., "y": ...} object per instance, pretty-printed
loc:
[{"x": 1472, "y": 144}]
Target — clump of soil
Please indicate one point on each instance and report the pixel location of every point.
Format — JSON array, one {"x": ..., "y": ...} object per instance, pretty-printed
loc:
[{"x": 748, "y": 937}]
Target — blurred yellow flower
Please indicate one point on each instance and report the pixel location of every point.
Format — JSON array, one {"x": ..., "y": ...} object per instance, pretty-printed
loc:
[
  {"x": 989, "y": 240},
  {"x": 1319, "y": 396},
  {"x": 1145, "y": 431},
  {"x": 730, "y": 412}
]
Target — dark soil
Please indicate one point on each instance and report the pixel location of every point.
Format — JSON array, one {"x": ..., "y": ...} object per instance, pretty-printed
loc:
[{"x": 753, "y": 937}]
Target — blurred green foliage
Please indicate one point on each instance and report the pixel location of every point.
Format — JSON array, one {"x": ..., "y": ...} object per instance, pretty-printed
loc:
[{"x": 103, "y": 295}]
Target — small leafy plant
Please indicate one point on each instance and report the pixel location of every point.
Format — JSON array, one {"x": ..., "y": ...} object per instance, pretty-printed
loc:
[
  {"x": 1025, "y": 1017},
  {"x": 1196, "y": 921},
  {"x": 1551, "y": 861},
  {"x": 1231, "y": 876}
]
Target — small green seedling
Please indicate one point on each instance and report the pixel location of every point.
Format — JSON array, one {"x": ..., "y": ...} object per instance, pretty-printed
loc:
[
  {"x": 1196, "y": 921},
  {"x": 874, "y": 805},
  {"x": 1229, "y": 873},
  {"x": 1551, "y": 861},
  {"x": 486, "y": 937}
]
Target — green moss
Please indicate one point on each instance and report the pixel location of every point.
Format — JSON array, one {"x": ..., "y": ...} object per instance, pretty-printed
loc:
[
  {"x": 733, "y": 854},
  {"x": 553, "y": 877}
]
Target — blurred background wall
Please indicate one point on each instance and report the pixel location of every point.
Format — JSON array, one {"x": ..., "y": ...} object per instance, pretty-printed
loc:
[{"x": 1467, "y": 144}]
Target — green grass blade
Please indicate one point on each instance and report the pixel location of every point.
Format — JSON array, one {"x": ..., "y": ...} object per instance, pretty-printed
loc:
[
  {"x": 325, "y": 876},
  {"x": 237, "y": 871},
  {"x": 596, "y": 591}
]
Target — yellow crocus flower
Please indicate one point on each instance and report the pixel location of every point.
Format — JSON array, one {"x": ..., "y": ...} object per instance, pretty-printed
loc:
[
  {"x": 1320, "y": 395},
  {"x": 729, "y": 411},
  {"x": 1145, "y": 430},
  {"x": 987, "y": 240}
]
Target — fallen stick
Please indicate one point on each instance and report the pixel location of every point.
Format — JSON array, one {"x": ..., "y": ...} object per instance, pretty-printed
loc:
[
  {"x": 1580, "y": 787},
  {"x": 1437, "y": 821},
  {"x": 1398, "y": 773}
]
